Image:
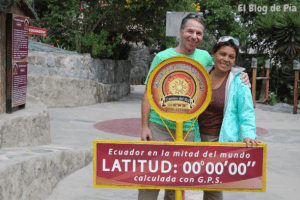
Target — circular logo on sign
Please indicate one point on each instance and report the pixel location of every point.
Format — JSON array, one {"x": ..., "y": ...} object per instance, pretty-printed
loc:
[
  {"x": 179, "y": 83},
  {"x": 179, "y": 88}
]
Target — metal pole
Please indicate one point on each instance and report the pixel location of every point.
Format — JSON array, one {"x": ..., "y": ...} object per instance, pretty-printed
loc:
[
  {"x": 254, "y": 66},
  {"x": 296, "y": 65},
  {"x": 179, "y": 132},
  {"x": 179, "y": 139}
]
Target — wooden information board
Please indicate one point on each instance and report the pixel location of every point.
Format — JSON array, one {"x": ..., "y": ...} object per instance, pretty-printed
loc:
[{"x": 17, "y": 30}]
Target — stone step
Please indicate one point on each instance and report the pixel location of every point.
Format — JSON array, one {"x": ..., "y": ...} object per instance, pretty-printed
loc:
[
  {"x": 26, "y": 127},
  {"x": 33, "y": 172}
]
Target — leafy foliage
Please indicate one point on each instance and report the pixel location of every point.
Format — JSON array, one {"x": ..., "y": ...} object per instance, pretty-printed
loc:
[
  {"x": 30, "y": 2},
  {"x": 279, "y": 32},
  {"x": 99, "y": 43},
  {"x": 71, "y": 22},
  {"x": 224, "y": 18},
  {"x": 282, "y": 30}
]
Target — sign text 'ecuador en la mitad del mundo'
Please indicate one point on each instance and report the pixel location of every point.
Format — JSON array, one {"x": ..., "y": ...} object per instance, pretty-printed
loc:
[{"x": 188, "y": 166}]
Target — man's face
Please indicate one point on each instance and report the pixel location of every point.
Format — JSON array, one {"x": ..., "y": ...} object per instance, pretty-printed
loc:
[{"x": 191, "y": 36}]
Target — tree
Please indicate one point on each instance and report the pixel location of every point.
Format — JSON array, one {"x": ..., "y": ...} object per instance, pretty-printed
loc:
[
  {"x": 76, "y": 23},
  {"x": 281, "y": 32}
]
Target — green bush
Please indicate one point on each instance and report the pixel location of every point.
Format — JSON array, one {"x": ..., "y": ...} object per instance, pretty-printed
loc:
[
  {"x": 282, "y": 82},
  {"x": 273, "y": 99},
  {"x": 121, "y": 52},
  {"x": 99, "y": 45}
]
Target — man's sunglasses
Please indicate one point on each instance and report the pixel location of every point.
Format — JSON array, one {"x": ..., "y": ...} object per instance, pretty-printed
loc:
[
  {"x": 227, "y": 38},
  {"x": 190, "y": 16}
]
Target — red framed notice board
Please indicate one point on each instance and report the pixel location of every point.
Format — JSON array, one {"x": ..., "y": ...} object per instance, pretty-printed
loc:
[
  {"x": 17, "y": 30},
  {"x": 186, "y": 166}
]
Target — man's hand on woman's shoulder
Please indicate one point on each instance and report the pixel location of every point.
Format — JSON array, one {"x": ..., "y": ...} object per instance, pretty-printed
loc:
[{"x": 245, "y": 79}]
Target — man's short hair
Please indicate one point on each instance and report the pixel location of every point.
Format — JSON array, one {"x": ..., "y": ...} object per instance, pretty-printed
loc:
[{"x": 197, "y": 17}]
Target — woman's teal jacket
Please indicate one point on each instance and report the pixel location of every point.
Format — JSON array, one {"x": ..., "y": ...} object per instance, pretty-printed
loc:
[{"x": 239, "y": 117}]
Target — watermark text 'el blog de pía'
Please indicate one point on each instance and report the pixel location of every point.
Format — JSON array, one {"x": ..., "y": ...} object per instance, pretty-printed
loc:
[{"x": 264, "y": 9}]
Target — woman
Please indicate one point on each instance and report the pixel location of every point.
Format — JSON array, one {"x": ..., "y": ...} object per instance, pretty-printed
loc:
[{"x": 230, "y": 114}]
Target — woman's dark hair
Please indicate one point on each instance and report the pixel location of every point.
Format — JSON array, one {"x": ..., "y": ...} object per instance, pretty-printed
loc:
[{"x": 229, "y": 43}]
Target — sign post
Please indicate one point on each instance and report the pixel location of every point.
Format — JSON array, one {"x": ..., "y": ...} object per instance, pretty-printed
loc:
[
  {"x": 179, "y": 89},
  {"x": 16, "y": 65},
  {"x": 179, "y": 138}
]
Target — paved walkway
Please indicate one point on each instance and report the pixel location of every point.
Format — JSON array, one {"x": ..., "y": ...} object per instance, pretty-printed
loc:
[{"x": 75, "y": 127}]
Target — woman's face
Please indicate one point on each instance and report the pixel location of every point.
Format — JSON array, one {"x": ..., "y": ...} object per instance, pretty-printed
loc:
[{"x": 224, "y": 58}]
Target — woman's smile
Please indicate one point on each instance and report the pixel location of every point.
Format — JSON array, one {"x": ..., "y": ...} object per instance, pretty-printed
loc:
[{"x": 224, "y": 59}]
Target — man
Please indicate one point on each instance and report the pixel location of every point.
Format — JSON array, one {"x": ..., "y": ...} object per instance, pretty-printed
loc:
[{"x": 191, "y": 33}]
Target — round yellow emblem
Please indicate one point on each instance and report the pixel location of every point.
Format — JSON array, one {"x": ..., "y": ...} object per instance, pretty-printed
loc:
[{"x": 179, "y": 88}]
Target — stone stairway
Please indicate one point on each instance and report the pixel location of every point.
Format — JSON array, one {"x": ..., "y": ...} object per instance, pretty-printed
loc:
[{"x": 30, "y": 167}]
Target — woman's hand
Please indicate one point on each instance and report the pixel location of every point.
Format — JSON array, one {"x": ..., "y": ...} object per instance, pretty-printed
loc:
[{"x": 249, "y": 140}]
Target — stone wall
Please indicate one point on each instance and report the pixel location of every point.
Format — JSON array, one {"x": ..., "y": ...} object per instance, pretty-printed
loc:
[
  {"x": 111, "y": 71},
  {"x": 70, "y": 80},
  {"x": 141, "y": 60},
  {"x": 58, "y": 92},
  {"x": 61, "y": 65}
]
